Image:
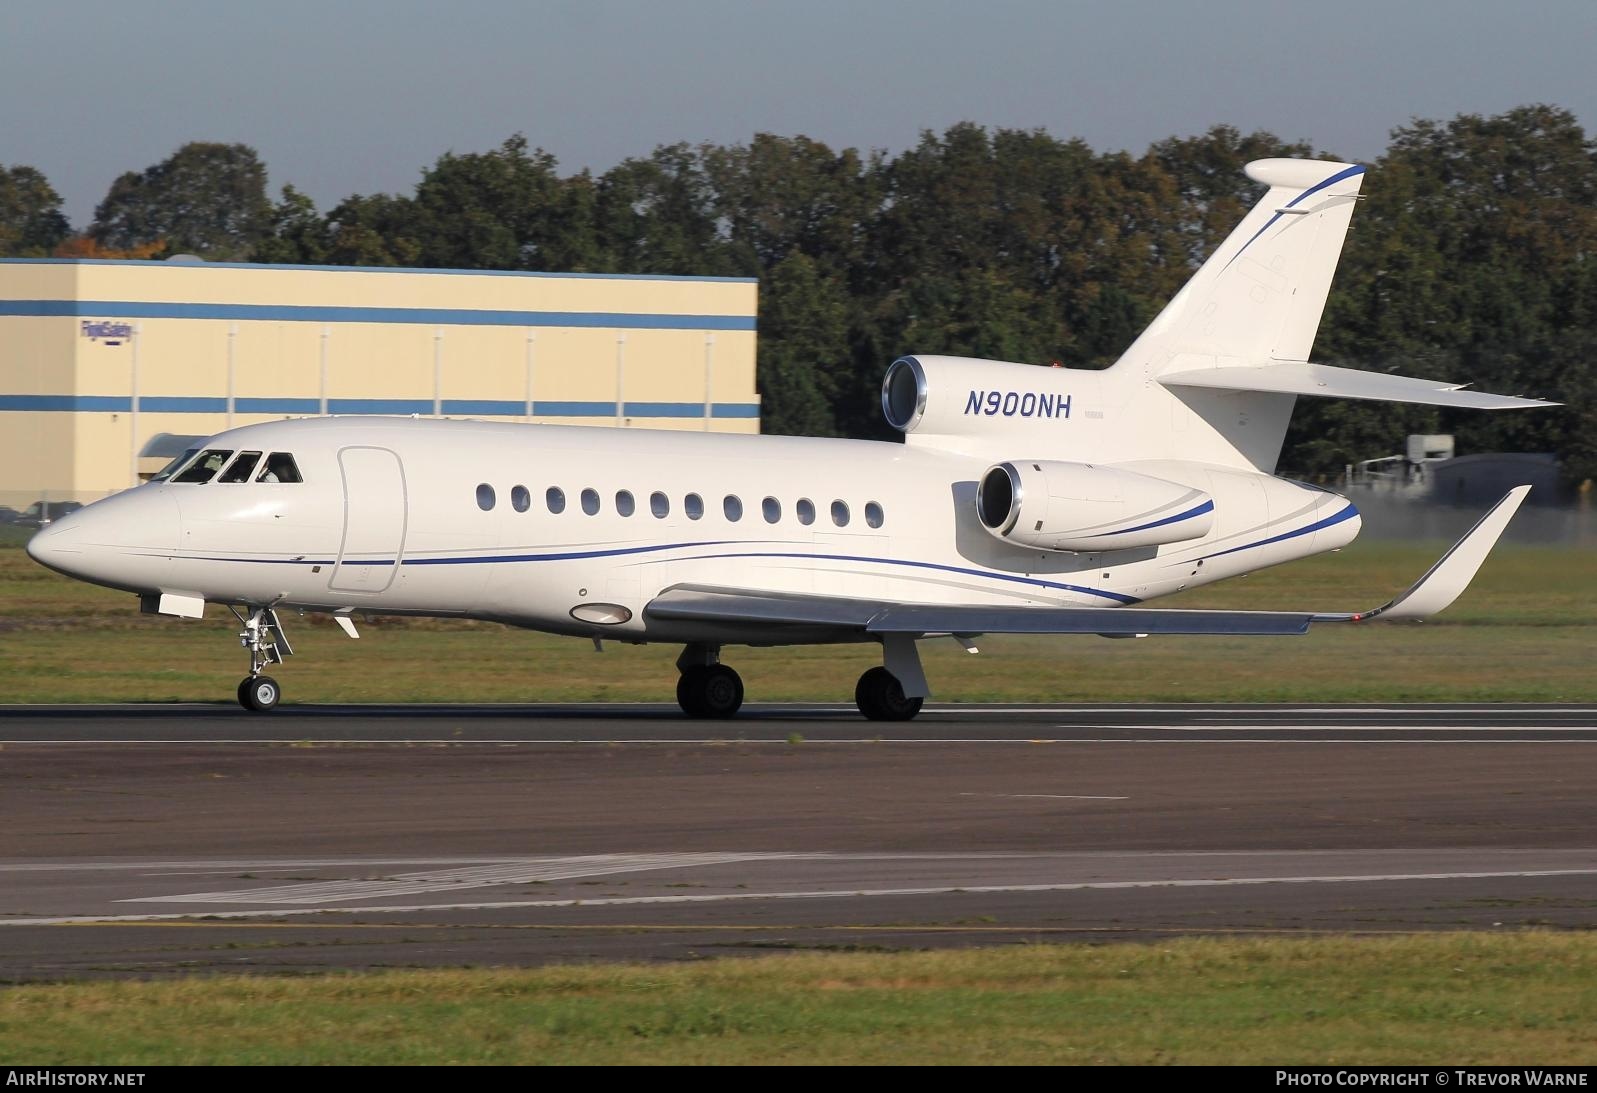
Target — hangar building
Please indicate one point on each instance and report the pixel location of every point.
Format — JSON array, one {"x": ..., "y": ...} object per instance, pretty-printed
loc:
[{"x": 108, "y": 367}]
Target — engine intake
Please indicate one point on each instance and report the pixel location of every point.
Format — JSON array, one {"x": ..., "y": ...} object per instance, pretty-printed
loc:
[{"x": 1081, "y": 507}]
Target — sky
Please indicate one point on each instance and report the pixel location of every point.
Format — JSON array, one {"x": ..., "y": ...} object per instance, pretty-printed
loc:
[{"x": 360, "y": 96}]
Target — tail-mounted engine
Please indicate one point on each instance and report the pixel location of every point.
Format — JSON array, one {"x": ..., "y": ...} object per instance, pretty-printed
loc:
[
  {"x": 940, "y": 401},
  {"x": 1081, "y": 507}
]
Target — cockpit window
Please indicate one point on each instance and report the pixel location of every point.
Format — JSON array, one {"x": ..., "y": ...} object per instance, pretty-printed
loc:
[
  {"x": 280, "y": 467},
  {"x": 205, "y": 467},
  {"x": 171, "y": 468},
  {"x": 239, "y": 470}
]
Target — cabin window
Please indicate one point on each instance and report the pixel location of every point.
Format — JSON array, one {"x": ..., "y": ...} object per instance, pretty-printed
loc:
[
  {"x": 840, "y": 514},
  {"x": 555, "y": 498},
  {"x": 485, "y": 497},
  {"x": 624, "y": 503},
  {"x": 590, "y": 502},
  {"x": 205, "y": 467},
  {"x": 239, "y": 470},
  {"x": 693, "y": 505},
  {"x": 520, "y": 498},
  {"x": 280, "y": 467},
  {"x": 806, "y": 511},
  {"x": 660, "y": 505},
  {"x": 171, "y": 468},
  {"x": 873, "y": 514},
  {"x": 772, "y": 508},
  {"x": 733, "y": 507}
]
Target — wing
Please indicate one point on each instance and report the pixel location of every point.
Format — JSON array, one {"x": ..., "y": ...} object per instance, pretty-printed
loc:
[{"x": 777, "y": 618}]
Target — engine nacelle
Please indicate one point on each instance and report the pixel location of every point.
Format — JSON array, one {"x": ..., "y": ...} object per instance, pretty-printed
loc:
[
  {"x": 1081, "y": 507},
  {"x": 960, "y": 397}
]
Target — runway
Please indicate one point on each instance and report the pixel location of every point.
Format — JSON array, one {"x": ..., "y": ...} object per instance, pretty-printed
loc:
[
  {"x": 637, "y": 723},
  {"x": 162, "y": 840}
]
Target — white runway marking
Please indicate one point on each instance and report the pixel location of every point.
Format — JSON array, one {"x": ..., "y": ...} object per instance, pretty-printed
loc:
[
  {"x": 449, "y": 880},
  {"x": 854, "y": 893},
  {"x": 1051, "y": 796},
  {"x": 1376, "y": 737},
  {"x": 1250, "y": 727}
]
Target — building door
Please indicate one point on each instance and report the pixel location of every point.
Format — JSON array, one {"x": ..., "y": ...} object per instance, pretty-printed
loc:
[{"x": 374, "y": 520}]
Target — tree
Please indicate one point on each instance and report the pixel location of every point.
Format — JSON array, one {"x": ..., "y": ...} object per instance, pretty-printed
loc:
[
  {"x": 205, "y": 199},
  {"x": 31, "y": 223},
  {"x": 783, "y": 195},
  {"x": 504, "y": 209},
  {"x": 804, "y": 360},
  {"x": 375, "y": 230},
  {"x": 658, "y": 215},
  {"x": 297, "y": 235}
]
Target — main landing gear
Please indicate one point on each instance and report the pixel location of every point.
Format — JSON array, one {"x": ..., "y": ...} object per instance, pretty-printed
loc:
[
  {"x": 880, "y": 697},
  {"x": 707, "y": 688},
  {"x": 263, "y": 637},
  {"x": 710, "y": 690}
]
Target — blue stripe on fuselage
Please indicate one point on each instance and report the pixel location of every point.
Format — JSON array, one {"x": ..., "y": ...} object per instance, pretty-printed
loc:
[
  {"x": 495, "y": 559},
  {"x": 1347, "y": 513}
]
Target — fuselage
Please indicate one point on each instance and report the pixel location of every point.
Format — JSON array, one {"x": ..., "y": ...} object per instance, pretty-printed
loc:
[{"x": 550, "y": 527}]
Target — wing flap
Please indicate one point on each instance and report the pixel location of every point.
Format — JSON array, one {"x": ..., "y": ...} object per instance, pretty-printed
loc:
[
  {"x": 1107, "y": 621},
  {"x": 864, "y": 618},
  {"x": 1328, "y": 381}
]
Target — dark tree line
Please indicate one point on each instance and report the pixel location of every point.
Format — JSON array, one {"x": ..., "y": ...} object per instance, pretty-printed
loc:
[{"x": 1473, "y": 257}]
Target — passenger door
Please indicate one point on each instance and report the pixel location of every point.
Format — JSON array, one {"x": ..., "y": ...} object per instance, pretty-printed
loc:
[{"x": 375, "y": 515}]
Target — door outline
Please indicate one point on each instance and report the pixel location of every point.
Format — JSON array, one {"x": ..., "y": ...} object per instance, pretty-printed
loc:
[{"x": 368, "y": 587}]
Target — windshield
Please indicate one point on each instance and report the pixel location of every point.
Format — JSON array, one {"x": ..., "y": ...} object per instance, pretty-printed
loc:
[
  {"x": 171, "y": 468},
  {"x": 205, "y": 467}
]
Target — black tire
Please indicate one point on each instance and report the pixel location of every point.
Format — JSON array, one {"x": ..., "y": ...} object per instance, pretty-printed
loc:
[
  {"x": 260, "y": 694},
  {"x": 243, "y": 686},
  {"x": 880, "y": 697},
  {"x": 688, "y": 688},
  {"x": 713, "y": 692}
]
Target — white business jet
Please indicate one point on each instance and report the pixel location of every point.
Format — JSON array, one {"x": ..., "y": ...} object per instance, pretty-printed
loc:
[{"x": 1023, "y": 500}]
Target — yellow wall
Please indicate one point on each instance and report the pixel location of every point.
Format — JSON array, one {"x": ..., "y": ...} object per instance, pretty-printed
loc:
[{"x": 210, "y": 337}]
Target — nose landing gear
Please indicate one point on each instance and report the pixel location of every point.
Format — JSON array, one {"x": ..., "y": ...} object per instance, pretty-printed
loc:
[{"x": 264, "y": 638}]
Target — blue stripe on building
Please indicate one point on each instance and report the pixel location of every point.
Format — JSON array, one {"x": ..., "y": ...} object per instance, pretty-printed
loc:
[
  {"x": 277, "y": 405},
  {"x": 164, "y": 404},
  {"x": 196, "y": 404},
  {"x": 486, "y": 406},
  {"x": 430, "y": 316}
]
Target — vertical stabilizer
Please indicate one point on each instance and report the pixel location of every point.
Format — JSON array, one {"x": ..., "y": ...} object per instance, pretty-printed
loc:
[{"x": 1259, "y": 297}]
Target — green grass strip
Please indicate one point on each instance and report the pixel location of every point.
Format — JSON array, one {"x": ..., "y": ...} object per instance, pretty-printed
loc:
[
  {"x": 1523, "y": 632},
  {"x": 1459, "y": 998}
]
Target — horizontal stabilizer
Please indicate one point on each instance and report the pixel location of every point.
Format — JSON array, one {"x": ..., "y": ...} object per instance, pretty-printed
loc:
[{"x": 1328, "y": 381}]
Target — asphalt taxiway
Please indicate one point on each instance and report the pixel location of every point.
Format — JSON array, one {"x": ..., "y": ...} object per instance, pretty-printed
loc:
[{"x": 155, "y": 840}]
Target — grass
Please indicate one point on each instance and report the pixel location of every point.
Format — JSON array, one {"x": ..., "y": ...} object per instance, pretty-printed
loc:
[
  {"x": 1525, "y": 631},
  {"x": 1453, "y": 999}
]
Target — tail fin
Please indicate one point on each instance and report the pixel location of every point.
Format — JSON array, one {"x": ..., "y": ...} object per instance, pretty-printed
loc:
[{"x": 1260, "y": 296}]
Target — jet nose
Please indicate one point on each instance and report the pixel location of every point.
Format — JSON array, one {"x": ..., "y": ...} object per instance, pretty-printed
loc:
[
  {"x": 125, "y": 541},
  {"x": 56, "y": 545}
]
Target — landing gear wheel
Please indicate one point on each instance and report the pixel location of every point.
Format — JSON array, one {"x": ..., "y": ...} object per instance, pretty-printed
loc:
[
  {"x": 260, "y": 694},
  {"x": 710, "y": 691},
  {"x": 880, "y": 697}
]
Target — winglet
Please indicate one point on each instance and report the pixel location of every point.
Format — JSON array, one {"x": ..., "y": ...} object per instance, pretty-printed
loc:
[{"x": 1445, "y": 580}]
